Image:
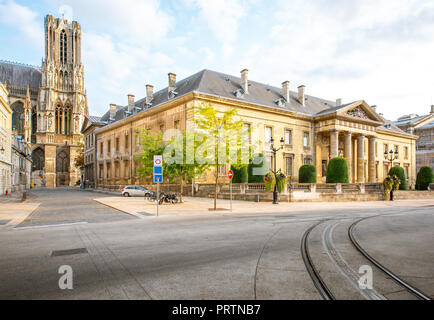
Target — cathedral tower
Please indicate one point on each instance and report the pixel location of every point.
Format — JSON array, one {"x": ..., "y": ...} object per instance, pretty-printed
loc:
[{"x": 62, "y": 102}]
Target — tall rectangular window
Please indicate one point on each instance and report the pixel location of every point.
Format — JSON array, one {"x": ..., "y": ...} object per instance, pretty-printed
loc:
[
  {"x": 176, "y": 125},
  {"x": 117, "y": 144},
  {"x": 289, "y": 169},
  {"x": 306, "y": 139},
  {"x": 268, "y": 134},
  {"x": 288, "y": 137},
  {"x": 406, "y": 153},
  {"x": 127, "y": 142},
  {"x": 248, "y": 132}
]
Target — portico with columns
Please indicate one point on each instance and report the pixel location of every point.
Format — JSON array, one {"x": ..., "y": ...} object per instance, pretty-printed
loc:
[{"x": 350, "y": 132}]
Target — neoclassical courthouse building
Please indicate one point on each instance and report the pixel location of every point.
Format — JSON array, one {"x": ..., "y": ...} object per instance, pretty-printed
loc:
[
  {"x": 49, "y": 103},
  {"x": 314, "y": 129}
]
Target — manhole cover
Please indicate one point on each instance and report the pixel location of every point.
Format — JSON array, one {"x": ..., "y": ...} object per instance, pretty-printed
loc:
[
  {"x": 145, "y": 214},
  {"x": 4, "y": 222},
  {"x": 68, "y": 252}
]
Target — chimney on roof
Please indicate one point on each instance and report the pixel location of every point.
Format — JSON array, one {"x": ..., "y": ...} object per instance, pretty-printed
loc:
[
  {"x": 338, "y": 102},
  {"x": 374, "y": 107},
  {"x": 172, "y": 82},
  {"x": 245, "y": 80},
  {"x": 432, "y": 109},
  {"x": 112, "y": 111},
  {"x": 285, "y": 91},
  {"x": 149, "y": 93},
  {"x": 131, "y": 102},
  {"x": 301, "y": 96}
]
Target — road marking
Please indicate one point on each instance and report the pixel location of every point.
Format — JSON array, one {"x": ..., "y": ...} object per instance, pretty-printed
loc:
[{"x": 51, "y": 226}]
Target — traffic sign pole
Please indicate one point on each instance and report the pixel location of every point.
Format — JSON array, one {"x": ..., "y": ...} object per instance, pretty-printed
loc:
[
  {"x": 231, "y": 177},
  {"x": 158, "y": 178}
]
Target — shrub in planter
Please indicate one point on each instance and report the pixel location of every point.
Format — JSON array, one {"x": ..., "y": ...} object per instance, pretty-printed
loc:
[
  {"x": 337, "y": 171},
  {"x": 425, "y": 176},
  {"x": 399, "y": 172},
  {"x": 271, "y": 180},
  {"x": 240, "y": 174},
  {"x": 307, "y": 174},
  {"x": 257, "y": 169}
]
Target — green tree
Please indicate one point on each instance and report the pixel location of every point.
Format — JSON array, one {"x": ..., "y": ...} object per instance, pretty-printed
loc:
[
  {"x": 399, "y": 172},
  {"x": 240, "y": 174},
  {"x": 307, "y": 174},
  {"x": 79, "y": 158},
  {"x": 176, "y": 157},
  {"x": 337, "y": 171},
  {"x": 257, "y": 169},
  {"x": 221, "y": 138},
  {"x": 151, "y": 145},
  {"x": 424, "y": 178}
]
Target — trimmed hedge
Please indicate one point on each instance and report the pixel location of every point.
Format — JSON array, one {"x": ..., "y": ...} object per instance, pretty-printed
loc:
[
  {"x": 399, "y": 172},
  {"x": 425, "y": 176},
  {"x": 307, "y": 174},
  {"x": 260, "y": 166},
  {"x": 337, "y": 171},
  {"x": 240, "y": 175}
]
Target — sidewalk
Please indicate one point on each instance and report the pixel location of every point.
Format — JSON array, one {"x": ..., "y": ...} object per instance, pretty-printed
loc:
[{"x": 142, "y": 208}]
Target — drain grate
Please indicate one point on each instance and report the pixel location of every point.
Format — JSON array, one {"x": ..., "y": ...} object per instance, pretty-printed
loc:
[
  {"x": 68, "y": 252},
  {"x": 4, "y": 222}
]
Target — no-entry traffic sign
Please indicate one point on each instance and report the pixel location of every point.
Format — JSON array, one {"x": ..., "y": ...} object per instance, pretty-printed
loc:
[{"x": 230, "y": 174}]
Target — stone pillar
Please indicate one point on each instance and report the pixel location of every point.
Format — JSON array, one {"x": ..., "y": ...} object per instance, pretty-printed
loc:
[
  {"x": 334, "y": 143},
  {"x": 348, "y": 154},
  {"x": 63, "y": 122},
  {"x": 371, "y": 161},
  {"x": 361, "y": 159},
  {"x": 318, "y": 158}
]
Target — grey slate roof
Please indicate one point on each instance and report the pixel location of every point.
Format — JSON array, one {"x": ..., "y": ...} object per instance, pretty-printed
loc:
[
  {"x": 94, "y": 119},
  {"x": 390, "y": 126},
  {"x": 408, "y": 119},
  {"x": 223, "y": 85},
  {"x": 20, "y": 75}
]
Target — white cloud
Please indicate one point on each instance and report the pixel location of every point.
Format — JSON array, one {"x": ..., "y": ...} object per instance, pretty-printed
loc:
[
  {"x": 223, "y": 18},
  {"x": 380, "y": 51},
  {"x": 24, "y": 20}
]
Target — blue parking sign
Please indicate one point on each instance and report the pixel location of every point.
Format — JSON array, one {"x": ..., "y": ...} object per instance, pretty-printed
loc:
[{"x": 158, "y": 170}]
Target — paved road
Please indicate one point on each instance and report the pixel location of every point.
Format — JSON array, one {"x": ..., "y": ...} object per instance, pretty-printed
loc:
[
  {"x": 200, "y": 257},
  {"x": 62, "y": 206}
]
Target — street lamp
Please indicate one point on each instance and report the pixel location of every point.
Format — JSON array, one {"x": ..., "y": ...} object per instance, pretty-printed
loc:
[
  {"x": 2, "y": 150},
  {"x": 391, "y": 156},
  {"x": 282, "y": 145}
]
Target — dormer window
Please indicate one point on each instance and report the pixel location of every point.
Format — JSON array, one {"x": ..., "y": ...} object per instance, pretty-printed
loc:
[
  {"x": 239, "y": 93},
  {"x": 280, "y": 102}
]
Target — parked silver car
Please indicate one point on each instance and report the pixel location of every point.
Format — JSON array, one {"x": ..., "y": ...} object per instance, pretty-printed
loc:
[{"x": 136, "y": 191}]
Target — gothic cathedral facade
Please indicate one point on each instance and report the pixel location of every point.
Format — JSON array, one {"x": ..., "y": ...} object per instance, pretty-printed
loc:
[{"x": 49, "y": 104}]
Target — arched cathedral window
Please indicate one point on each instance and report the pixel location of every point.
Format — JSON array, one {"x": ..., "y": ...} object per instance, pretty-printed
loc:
[
  {"x": 63, "y": 47},
  {"x": 63, "y": 120}
]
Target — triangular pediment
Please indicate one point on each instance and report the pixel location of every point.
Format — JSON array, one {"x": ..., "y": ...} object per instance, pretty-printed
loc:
[{"x": 360, "y": 111}]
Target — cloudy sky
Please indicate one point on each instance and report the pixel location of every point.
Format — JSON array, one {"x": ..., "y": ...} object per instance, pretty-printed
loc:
[{"x": 381, "y": 51}]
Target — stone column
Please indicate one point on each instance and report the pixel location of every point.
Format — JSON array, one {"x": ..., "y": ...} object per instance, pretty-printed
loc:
[
  {"x": 361, "y": 159},
  {"x": 318, "y": 158},
  {"x": 334, "y": 143},
  {"x": 371, "y": 161},
  {"x": 348, "y": 154},
  {"x": 63, "y": 122}
]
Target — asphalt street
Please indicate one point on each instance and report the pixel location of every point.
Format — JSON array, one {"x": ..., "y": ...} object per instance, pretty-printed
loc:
[{"x": 225, "y": 256}]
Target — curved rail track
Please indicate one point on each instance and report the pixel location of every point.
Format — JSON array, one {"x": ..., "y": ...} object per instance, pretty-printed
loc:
[
  {"x": 416, "y": 292},
  {"x": 311, "y": 269}
]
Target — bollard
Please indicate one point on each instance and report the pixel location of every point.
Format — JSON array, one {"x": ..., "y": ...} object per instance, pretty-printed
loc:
[{"x": 24, "y": 196}]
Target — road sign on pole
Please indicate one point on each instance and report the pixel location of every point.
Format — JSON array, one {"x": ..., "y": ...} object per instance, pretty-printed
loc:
[
  {"x": 158, "y": 178},
  {"x": 231, "y": 177}
]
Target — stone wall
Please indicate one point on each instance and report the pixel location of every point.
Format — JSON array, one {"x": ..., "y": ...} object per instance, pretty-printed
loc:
[{"x": 293, "y": 192}]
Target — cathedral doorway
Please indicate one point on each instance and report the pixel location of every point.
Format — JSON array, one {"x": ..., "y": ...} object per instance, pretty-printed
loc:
[
  {"x": 18, "y": 117},
  {"x": 62, "y": 167}
]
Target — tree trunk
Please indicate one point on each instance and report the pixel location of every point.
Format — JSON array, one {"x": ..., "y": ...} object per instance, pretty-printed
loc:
[
  {"x": 182, "y": 189},
  {"x": 215, "y": 188}
]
